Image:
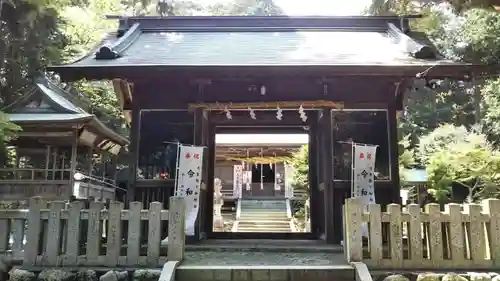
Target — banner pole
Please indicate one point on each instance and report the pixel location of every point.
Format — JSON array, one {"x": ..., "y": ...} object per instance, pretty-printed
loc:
[{"x": 176, "y": 180}]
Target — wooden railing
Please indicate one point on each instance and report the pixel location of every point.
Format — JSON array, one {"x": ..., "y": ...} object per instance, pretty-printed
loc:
[
  {"x": 60, "y": 234},
  {"x": 457, "y": 237}
]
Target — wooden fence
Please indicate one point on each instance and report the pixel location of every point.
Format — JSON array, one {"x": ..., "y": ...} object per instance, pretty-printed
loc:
[
  {"x": 457, "y": 237},
  {"x": 60, "y": 234}
]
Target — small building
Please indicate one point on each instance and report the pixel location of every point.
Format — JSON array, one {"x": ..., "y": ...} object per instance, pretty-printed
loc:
[
  {"x": 58, "y": 140},
  {"x": 186, "y": 79}
]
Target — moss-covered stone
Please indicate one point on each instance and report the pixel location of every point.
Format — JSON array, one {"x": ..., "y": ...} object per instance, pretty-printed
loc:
[
  {"x": 86, "y": 275},
  {"x": 428, "y": 277},
  {"x": 146, "y": 275},
  {"x": 453, "y": 277},
  {"x": 477, "y": 276},
  {"x": 21, "y": 275},
  {"x": 396, "y": 277},
  {"x": 56, "y": 275}
]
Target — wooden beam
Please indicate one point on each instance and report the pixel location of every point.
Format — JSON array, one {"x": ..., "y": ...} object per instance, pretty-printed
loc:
[{"x": 45, "y": 134}]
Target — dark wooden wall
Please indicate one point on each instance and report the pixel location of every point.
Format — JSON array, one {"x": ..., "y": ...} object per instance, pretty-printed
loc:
[{"x": 328, "y": 196}]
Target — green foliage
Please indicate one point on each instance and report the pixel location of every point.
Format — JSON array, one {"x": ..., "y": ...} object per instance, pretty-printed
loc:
[
  {"x": 246, "y": 8},
  {"x": 8, "y": 130},
  {"x": 406, "y": 157},
  {"x": 300, "y": 164},
  {"x": 455, "y": 155}
]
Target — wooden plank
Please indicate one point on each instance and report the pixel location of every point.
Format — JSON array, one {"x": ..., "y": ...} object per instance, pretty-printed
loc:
[
  {"x": 74, "y": 226},
  {"x": 114, "y": 243},
  {"x": 134, "y": 233},
  {"x": 415, "y": 234},
  {"x": 154, "y": 233},
  {"x": 456, "y": 237},
  {"x": 492, "y": 207},
  {"x": 476, "y": 232},
  {"x": 176, "y": 229},
  {"x": 17, "y": 238},
  {"x": 51, "y": 256},
  {"x": 435, "y": 236},
  {"x": 354, "y": 210},
  {"x": 4, "y": 235},
  {"x": 375, "y": 231},
  {"x": 396, "y": 234},
  {"x": 34, "y": 231},
  {"x": 94, "y": 233}
]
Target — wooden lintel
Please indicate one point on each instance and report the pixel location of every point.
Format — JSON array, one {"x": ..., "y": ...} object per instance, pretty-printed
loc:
[
  {"x": 269, "y": 105},
  {"x": 45, "y": 134}
]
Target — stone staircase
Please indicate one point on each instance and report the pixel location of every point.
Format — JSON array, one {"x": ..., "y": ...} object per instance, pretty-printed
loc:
[{"x": 263, "y": 216}]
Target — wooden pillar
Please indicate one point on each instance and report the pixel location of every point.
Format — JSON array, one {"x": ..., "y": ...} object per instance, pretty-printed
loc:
[
  {"x": 198, "y": 140},
  {"x": 327, "y": 146},
  {"x": 394, "y": 153},
  {"x": 89, "y": 163},
  {"x": 313, "y": 178},
  {"x": 134, "y": 151},
  {"x": 74, "y": 153}
]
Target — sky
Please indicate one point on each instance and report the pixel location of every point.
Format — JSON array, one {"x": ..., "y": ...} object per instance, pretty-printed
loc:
[{"x": 315, "y": 7}]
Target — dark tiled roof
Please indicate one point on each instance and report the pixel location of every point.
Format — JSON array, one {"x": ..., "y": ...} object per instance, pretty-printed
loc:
[
  {"x": 246, "y": 41},
  {"x": 46, "y": 103},
  {"x": 259, "y": 48}
]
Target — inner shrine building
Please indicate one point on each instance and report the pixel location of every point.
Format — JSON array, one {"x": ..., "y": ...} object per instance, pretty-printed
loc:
[{"x": 178, "y": 77}]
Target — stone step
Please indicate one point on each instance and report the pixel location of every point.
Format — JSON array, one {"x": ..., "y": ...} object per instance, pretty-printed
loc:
[
  {"x": 257, "y": 217},
  {"x": 263, "y": 222},
  {"x": 262, "y": 229}
]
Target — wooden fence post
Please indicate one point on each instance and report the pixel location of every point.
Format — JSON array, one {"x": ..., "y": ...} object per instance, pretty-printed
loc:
[
  {"x": 34, "y": 230},
  {"x": 492, "y": 207},
  {"x": 176, "y": 229},
  {"x": 353, "y": 226}
]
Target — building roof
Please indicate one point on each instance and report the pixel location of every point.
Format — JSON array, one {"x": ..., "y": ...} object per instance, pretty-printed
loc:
[
  {"x": 46, "y": 104},
  {"x": 358, "y": 44}
]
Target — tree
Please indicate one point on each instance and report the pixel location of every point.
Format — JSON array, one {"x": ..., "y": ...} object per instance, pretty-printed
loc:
[
  {"x": 300, "y": 164},
  {"x": 246, "y": 8},
  {"x": 455, "y": 155}
]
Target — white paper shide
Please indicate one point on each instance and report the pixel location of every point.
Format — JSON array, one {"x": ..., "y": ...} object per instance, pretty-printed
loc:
[{"x": 189, "y": 169}]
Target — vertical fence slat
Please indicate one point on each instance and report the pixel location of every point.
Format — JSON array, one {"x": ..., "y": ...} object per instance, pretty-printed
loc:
[
  {"x": 435, "y": 234},
  {"x": 354, "y": 238},
  {"x": 375, "y": 232},
  {"x": 176, "y": 229},
  {"x": 94, "y": 233},
  {"x": 134, "y": 233},
  {"x": 114, "y": 235},
  {"x": 4, "y": 235},
  {"x": 34, "y": 230},
  {"x": 17, "y": 230},
  {"x": 74, "y": 223},
  {"x": 476, "y": 231},
  {"x": 51, "y": 257},
  {"x": 456, "y": 237},
  {"x": 415, "y": 234},
  {"x": 396, "y": 235},
  {"x": 492, "y": 207},
  {"x": 154, "y": 233}
]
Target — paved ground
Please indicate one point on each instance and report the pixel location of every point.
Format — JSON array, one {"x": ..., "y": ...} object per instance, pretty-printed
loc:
[{"x": 244, "y": 258}]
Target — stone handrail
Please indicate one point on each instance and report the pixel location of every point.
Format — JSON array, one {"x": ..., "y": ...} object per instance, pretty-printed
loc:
[
  {"x": 460, "y": 237},
  {"x": 52, "y": 234}
]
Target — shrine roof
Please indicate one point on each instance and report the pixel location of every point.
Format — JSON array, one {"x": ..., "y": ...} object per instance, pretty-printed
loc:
[
  {"x": 46, "y": 104},
  {"x": 357, "y": 44}
]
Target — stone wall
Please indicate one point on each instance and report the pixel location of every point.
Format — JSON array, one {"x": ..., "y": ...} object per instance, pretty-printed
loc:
[
  {"x": 84, "y": 275},
  {"x": 469, "y": 276}
]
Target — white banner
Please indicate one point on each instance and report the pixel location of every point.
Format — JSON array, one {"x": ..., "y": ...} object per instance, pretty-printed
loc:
[
  {"x": 248, "y": 184},
  {"x": 189, "y": 167},
  {"x": 237, "y": 179},
  {"x": 363, "y": 175}
]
